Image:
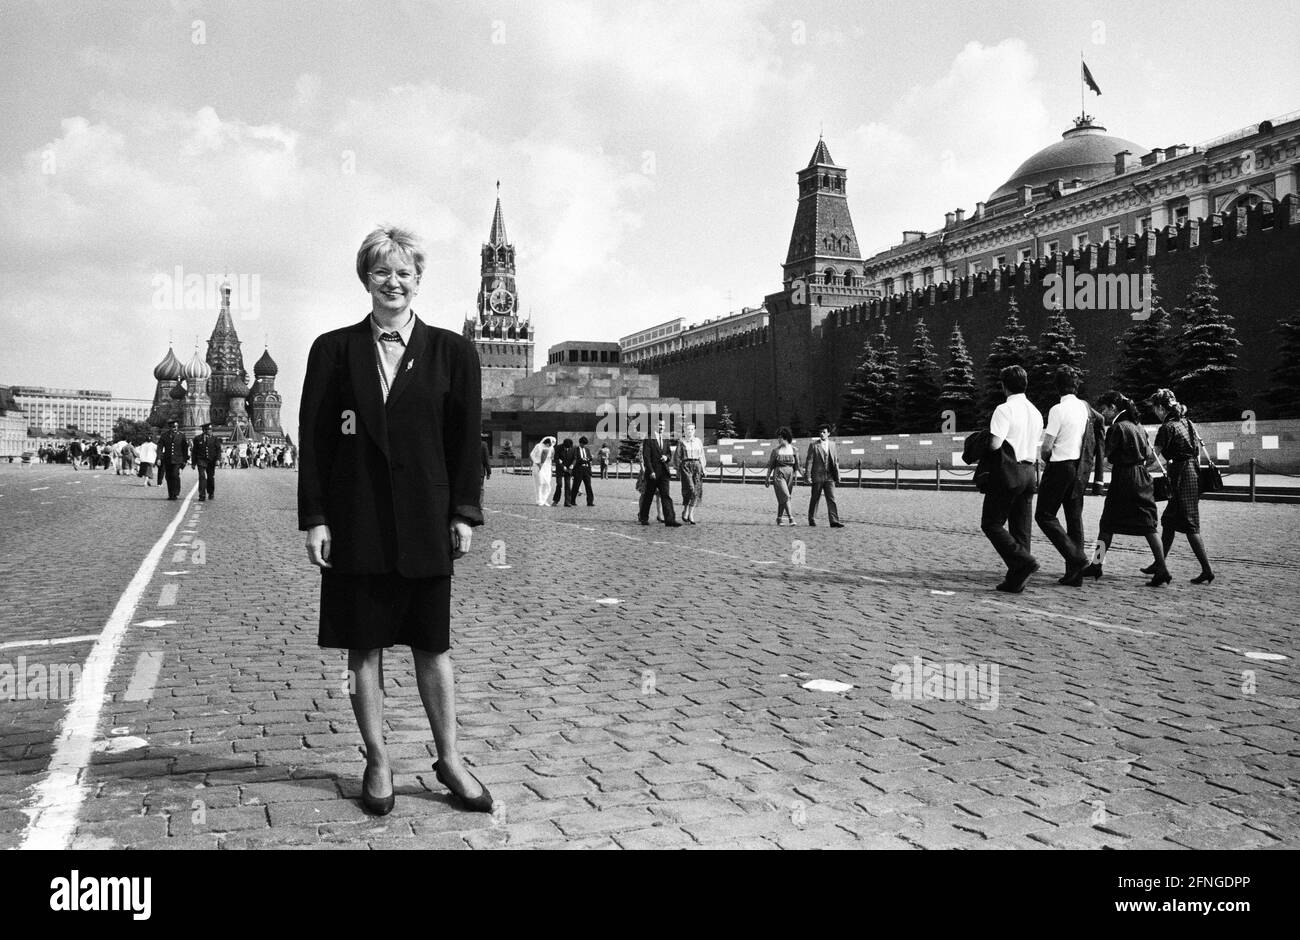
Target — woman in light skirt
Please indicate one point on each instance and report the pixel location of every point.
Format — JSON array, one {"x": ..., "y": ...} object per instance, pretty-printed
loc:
[
  {"x": 689, "y": 460},
  {"x": 542, "y": 478}
]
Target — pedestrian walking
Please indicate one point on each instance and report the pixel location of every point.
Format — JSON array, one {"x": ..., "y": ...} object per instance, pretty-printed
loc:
[
  {"x": 1179, "y": 444},
  {"x": 1007, "y": 516},
  {"x": 783, "y": 472},
  {"x": 1068, "y": 422},
  {"x": 388, "y": 508},
  {"x": 204, "y": 454},
  {"x": 582, "y": 472},
  {"x": 822, "y": 466},
  {"x": 148, "y": 452},
  {"x": 542, "y": 457},
  {"x": 486, "y": 466},
  {"x": 173, "y": 453},
  {"x": 1130, "y": 507},
  {"x": 689, "y": 461},
  {"x": 654, "y": 464},
  {"x": 603, "y": 456}
]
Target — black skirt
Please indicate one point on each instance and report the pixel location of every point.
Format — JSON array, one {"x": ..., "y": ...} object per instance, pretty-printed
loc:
[
  {"x": 1183, "y": 514},
  {"x": 1130, "y": 507},
  {"x": 376, "y": 611}
]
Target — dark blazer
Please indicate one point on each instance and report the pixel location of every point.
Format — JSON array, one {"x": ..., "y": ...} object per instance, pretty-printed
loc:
[
  {"x": 652, "y": 458},
  {"x": 1092, "y": 461},
  {"x": 388, "y": 478},
  {"x": 205, "y": 449},
  {"x": 173, "y": 448},
  {"x": 819, "y": 470}
]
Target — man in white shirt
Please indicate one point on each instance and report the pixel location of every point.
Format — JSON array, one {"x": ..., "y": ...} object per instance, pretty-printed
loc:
[
  {"x": 1010, "y": 497},
  {"x": 1067, "y": 423}
]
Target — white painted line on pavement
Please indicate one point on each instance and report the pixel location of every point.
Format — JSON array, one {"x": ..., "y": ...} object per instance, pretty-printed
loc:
[
  {"x": 156, "y": 623},
  {"x": 175, "y": 572},
  {"x": 167, "y": 596},
  {"x": 56, "y": 800},
  {"x": 1085, "y": 620},
  {"x": 13, "y": 644},
  {"x": 147, "y": 666},
  {"x": 37, "y": 489}
]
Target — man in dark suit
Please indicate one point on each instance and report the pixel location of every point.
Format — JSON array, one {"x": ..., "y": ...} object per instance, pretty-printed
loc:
[
  {"x": 823, "y": 469},
  {"x": 204, "y": 454},
  {"x": 563, "y": 469},
  {"x": 582, "y": 472},
  {"x": 173, "y": 452},
  {"x": 487, "y": 466},
  {"x": 654, "y": 460},
  {"x": 390, "y": 472}
]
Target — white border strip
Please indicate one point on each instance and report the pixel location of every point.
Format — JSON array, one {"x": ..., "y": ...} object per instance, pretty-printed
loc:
[
  {"x": 52, "y": 811},
  {"x": 85, "y": 638}
]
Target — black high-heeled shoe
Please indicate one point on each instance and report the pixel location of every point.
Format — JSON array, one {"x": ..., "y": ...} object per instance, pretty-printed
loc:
[
  {"x": 1205, "y": 577},
  {"x": 1150, "y": 569},
  {"x": 1159, "y": 579},
  {"x": 378, "y": 805},
  {"x": 479, "y": 804},
  {"x": 1092, "y": 571}
]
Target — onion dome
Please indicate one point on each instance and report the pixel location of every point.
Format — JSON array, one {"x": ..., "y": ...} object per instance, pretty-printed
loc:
[
  {"x": 238, "y": 388},
  {"x": 169, "y": 369},
  {"x": 196, "y": 368},
  {"x": 178, "y": 391},
  {"x": 266, "y": 365},
  {"x": 1085, "y": 151}
]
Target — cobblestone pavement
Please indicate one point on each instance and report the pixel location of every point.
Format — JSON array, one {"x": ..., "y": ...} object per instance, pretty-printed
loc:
[{"x": 632, "y": 687}]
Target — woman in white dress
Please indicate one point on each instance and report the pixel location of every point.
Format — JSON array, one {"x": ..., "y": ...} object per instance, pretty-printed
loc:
[{"x": 541, "y": 458}]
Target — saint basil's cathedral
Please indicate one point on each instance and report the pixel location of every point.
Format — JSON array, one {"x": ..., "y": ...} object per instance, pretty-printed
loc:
[{"x": 214, "y": 389}]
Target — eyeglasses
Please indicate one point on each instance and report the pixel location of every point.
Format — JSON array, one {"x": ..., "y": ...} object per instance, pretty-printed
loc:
[{"x": 381, "y": 275}]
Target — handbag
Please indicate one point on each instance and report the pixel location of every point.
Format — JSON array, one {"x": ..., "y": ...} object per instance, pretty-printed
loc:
[
  {"x": 1160, "y": 487},
  {"x": 1208, "y": 478}
]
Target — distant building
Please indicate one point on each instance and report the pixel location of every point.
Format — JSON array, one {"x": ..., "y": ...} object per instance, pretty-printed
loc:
[
  {"x": 503, "y": 339},
  {"x": 91, "y": 411},
  {"x": 584, "y": 390},
  {"x": 214, "y": 389},
  {"x": 657, "y": 340},
  {"x": 13, "y": 424}
]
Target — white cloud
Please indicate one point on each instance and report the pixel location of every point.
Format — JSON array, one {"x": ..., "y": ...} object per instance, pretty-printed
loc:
[{"x": 949, "y": 143}]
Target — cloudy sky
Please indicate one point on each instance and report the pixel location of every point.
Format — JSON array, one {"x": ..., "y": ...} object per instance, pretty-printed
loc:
[{"x": 646, "y": 151}]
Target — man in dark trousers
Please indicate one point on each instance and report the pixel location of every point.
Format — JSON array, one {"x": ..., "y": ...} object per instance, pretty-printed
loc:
[
  {"x": 654, "y": 460},
  {"x": 823, "y": 468},
  {"x": 486, "y": 459},
  {"x": 173, "y": 452},
  {"x": 1009, "y": 499},
  {"x": 1072, "y": 448},
  {"x": 582, "y": 472},
  {"x": 564, "y": 455},
  {"x": 204, "y": 454}
]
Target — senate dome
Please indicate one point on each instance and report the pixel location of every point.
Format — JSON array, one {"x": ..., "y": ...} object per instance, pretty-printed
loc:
[{"x": 1085, "y": 151}]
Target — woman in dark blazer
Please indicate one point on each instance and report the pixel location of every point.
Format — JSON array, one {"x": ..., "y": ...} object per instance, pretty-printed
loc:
[
  {"x": 1130, "y": 507},
  {"x": 388, "y": 493}
]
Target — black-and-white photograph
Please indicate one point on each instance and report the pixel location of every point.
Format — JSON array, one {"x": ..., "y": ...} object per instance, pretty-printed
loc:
[{"x": 784, "y": 424}]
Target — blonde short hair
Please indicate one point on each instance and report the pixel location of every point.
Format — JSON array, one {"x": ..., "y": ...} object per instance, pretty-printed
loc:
[{"x": 387, "y": 240}]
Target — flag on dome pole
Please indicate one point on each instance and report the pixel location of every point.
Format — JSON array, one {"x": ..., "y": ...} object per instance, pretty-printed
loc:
[{"x": 1087, "y": 77}]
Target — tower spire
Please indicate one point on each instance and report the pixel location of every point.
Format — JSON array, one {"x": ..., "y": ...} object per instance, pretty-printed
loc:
[{"x": 497, "y": 237}]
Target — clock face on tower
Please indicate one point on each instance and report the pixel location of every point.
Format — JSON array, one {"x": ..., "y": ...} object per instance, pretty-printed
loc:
[{"x": 501, "y": 301}]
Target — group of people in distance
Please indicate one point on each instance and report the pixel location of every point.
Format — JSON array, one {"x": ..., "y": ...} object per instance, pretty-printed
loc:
[
  {"x": 1072, "y": 446},
  {"x": 560, "y": 469}
]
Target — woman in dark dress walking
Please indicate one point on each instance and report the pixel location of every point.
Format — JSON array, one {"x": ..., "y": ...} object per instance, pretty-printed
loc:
[
  {"x": 783, "y": 470},
  {"x": 388, "y": 493},
  {"x": 1130, "y": 507},
  {"x": 1180, "y": 446}
]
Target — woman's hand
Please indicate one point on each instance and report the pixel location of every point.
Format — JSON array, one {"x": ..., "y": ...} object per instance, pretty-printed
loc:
[
  {"x": 461, "y": 535},
  {"x": 318, "y": 546}
]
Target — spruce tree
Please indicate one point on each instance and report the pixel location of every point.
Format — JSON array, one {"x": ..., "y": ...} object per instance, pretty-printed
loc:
[
  {"x": 1205, "y": 353},
  {"x": 1142, "y": 364},
  {"x": 1011, "y": 348},
  {"x": 1057, "y": 346},
  {"x": 958, "y": 394},
  {"x": 726, "y": 424},
  {"x": 918, "y": 404},
  {"x": 871, "y": 393},
  {"x": 1284, "y": 393}
]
